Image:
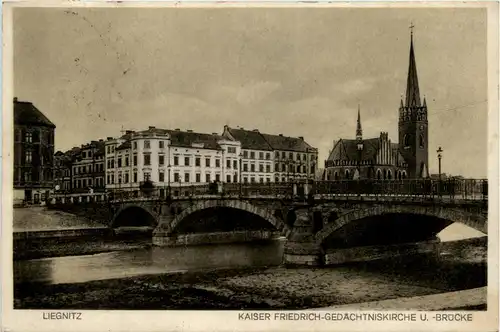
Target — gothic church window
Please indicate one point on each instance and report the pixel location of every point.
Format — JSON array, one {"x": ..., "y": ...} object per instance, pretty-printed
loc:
[
  {"x": 421, "y": 141},
  {"x": 407, "y": 140},
  {"x": 347, "y": 175}
]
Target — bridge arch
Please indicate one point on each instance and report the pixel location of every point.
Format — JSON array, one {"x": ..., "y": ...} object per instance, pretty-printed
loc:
[
  {"x": 473, "y": 220},
  {"x": 266, "y": 214},
  {"x": 142, "y": 214}
]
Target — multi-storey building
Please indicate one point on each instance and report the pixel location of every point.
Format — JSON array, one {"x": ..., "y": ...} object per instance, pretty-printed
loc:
[
  {"x": 33, "y": 154},
  {"x": 170, "y": 158},
  {"x": 257, "y": 155},
  {"x": 379, "y": 158},
  {"x": 294, "y": 158},
  {"x": 63, "y": 162},
  {"x": 88, "y": 167},
  {"x": 274, "y": 158}
]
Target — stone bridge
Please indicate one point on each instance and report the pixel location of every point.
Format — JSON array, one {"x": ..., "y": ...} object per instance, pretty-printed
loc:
[{"x": 313, "y": 227}]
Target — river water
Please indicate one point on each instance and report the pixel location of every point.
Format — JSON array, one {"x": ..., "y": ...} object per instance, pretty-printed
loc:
[
  {"x": 152, "y": 260},
  {"x": 158, "y": 260}
]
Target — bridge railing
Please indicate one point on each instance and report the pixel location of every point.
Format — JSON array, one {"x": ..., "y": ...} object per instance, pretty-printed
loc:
[{"x": 463, "y": 189}]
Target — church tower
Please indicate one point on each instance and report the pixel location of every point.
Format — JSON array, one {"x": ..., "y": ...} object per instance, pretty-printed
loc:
[{"x": 413, "y": 125}]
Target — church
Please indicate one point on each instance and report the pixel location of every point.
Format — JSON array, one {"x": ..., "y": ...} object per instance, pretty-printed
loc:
[{"x": 379, "y": 158}]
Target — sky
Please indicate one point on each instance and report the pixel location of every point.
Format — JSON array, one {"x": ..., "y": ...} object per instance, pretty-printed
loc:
[{"x": 298, "y": 72}]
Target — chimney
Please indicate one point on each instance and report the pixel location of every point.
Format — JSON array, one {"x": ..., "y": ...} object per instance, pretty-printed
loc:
[
  {"x": 256, "y": 130},
  {"x": 280, "y": 135},
  {"x": 215, "y": 134},
  {"x": 177, "y": 129},
  {"x": 128, "y": 132},
  {"x": 101, "y": 140},
  {"x": 189, "y": 130},
  {"x": 152, "y": 127},
  {"x": 15, "y": 99},
  {"x": 109, "y": 138},
  {"x": 301, "y": 137}
]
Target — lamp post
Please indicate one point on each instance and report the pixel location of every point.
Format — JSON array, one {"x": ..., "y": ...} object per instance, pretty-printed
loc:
[{"x": 440, "y": 155}]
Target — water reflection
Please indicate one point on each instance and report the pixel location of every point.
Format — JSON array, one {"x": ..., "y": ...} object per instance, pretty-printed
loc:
[{"x": 119, "y": 264}]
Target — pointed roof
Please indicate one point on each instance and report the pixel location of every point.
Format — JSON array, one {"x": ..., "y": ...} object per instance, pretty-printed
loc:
[
  {"x": 359, "y": 130},
  {"x": 412, "y": 90},
  {"x": 25, "y": 113}
]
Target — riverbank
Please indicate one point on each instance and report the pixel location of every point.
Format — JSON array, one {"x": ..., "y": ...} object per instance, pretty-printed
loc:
[{"x": 263, "y": 288}]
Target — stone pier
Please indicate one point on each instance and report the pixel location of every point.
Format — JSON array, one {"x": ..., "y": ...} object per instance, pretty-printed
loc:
[{"x": 301, "y": 247}]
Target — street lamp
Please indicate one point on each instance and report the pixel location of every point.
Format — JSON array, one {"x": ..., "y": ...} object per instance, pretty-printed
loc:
[{"x": 440, "y": 155}]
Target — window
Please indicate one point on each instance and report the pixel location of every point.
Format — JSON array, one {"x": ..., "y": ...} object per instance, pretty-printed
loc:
[
  {"x": 283, "y": 167},
  {"x": 147, "y": 159},
  {"x": 304, "y": 157},
  {"x": 186, "y": 161},
  {"x": 119, "y": 162},
  {"x": 406, "y": 140},
  {"x": 147, "y": 176},
  {"x": 176, "y": 177},
  {"x": 126, "y": 177},
  {"x": 268, "y": 156},
  {"x": 28, "y": 137},
  {"x": 112, "y": 178},
  {"x": 28, "y": 157},
  {"x": 161, "y": 144},
  {"x": 217, "y": 177},
  {"x": 261, "y": 168},
  {"x": 268, "y": 180},
  {"x": 112, "y": 163},
  {"x": 235, "y": 164},
  {"x": 261, "y": 180},
  {"x": 245, "y": 179},
  {"x": 276, "y": 155},
  {"x": 252, "y": 155},
  {"x": 217, "y": 162},
  {"x": 268, "y": 168},
  {"x": 276, "y": 179},
  {"x": 252, "y": 167},
  {"x": 228, "y": 164},
  {"x": 135, "y": 176},
  {"x": 207, "y": 177},
  {"x": 252, "y": 179},
  {"x": 134, "y": 146},
  {"x": 207, "y": 162},
  {"x": 186, "y": 177},
  {"x": 198, "y": 177},
  {"x": 197, "y": 162},
  {"x": 283, "y": 155},
  {"x": 245, "y": 154},
  {"x": 135, "y": 160},
  {"x": 231, "y": 149},
  {"x": 161, "y": 176},
  {"x": 147, "y": 144},
  {"x": 228, "y": 178},
  {"x": 176, "y": 160},
  {"x": 290, "y": 156},
  {"x": 235, "y": 177},
  {"x": 245, "y": 167},
  {"x": 261, "y": 155},
  {"x": 126, "y": 161},
  {"x": 161, "y": 159}
]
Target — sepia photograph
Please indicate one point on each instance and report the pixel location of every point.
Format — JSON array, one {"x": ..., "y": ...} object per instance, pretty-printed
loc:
[{"x": 255, "y": 159}]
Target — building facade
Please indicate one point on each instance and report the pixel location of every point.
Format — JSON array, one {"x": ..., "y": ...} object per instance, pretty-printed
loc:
[
  {"x": 170, "y": 158},
  {"x": 273, "y": 158},
  {"x": 33, "y": 154},
  {"x": 88, "y": 168},
  {"x": 379, "y": 158}
]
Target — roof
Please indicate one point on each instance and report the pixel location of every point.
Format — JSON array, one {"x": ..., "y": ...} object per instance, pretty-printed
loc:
[
  {"x": 280, "y": 142},
  {"x": 27, "y": 114},
  {"x": 187, "y": 139},
  {"x": 347, "y": 149},
  {"x": 250, "y": 139}
]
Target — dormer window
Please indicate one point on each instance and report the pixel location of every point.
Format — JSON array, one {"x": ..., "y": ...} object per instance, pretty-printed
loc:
[{"x": 360, "y": 146}]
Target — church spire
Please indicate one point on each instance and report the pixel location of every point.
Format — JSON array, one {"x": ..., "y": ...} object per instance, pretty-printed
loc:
[
  {"x": 359, "y": 131},
  {"x": 412, "y": 90}
]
